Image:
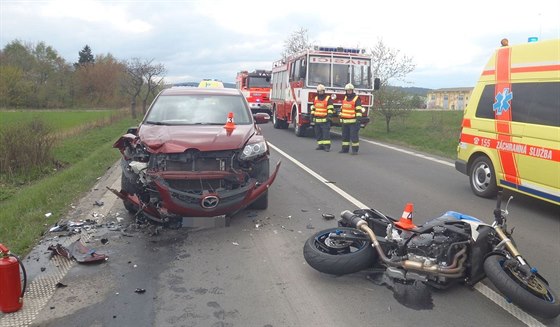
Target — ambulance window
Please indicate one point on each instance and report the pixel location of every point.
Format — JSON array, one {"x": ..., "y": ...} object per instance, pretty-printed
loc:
[
  {"x": 484, "y": 108},
  {"x": 533, "y": 103},
  {"x": 536, "y": 103}
]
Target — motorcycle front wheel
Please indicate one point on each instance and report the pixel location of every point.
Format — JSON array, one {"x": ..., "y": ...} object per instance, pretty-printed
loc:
[
  {"x": 337, "y": 256},
  {"x": 532, "y": 294}
]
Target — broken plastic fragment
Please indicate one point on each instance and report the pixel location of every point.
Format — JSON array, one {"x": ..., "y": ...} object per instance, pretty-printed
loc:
[
  {"x": 48, "y": 214},
  {"x": 79, "y": 252}
]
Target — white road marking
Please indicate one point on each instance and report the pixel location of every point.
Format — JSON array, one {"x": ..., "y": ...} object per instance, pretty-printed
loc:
[{"x": 483, "y": 289}]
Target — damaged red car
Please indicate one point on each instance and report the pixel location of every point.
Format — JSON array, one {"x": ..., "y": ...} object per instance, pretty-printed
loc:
[{"x": 198, "y": 152}]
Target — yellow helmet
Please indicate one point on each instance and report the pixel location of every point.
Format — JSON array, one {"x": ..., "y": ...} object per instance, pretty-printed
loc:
[
  {"x": 349, "y": 86},
  {"x": 320, "y": 88}
]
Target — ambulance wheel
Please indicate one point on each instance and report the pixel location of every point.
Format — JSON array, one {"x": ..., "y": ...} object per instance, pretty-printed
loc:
[{"x": 482, "y": 178}]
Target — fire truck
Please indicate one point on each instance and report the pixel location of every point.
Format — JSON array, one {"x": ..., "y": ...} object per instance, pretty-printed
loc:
[
  {"x": 295, "y": 79},
  {"x": 255, "y": 86}
]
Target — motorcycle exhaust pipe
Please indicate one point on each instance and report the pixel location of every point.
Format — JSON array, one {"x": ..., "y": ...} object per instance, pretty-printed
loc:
[{"x": 454, "y": 270}]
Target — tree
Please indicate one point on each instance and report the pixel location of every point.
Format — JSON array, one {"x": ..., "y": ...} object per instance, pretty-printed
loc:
[
  {"x": 391, "y": 102},
  {"x": 296, "y": 42},
  {"x": 85, "y": 57},
  {"x": 154, "y": 79},
  {"x": 387, "y": 65},
  {"x": 133, "y": 81}
]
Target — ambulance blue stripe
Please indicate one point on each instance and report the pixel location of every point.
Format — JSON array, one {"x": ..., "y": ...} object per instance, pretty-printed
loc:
[{"x": 531, "y": 191}]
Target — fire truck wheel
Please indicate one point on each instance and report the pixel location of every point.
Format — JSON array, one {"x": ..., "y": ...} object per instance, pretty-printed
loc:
[
  {"x": 278, "y": 123},
  {"x": 299, "y": 130}
]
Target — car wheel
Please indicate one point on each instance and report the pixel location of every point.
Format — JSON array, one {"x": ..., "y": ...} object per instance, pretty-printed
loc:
[
  {"x": 128, "y": 187},
  {"x": 261, "y": 172},
  {"x": 483, "y": 178},
  {"x": 261, "y": 203}
]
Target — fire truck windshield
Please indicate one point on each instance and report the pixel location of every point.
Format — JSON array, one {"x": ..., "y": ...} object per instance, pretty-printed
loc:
[
  {"x": 338, "y": 75},
  {"x": 260, "y": 81}
]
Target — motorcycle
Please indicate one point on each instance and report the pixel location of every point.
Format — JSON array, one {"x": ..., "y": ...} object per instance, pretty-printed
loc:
[{"x": 444, "y": 251}]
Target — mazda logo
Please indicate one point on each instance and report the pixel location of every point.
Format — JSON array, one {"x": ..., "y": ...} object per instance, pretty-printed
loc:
[{"x": 210, "y": 201}]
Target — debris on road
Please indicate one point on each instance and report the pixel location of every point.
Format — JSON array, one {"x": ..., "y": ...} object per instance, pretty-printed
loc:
[
  {"x": 79, "y": 252},
  {"x": 328, "y": 216}
]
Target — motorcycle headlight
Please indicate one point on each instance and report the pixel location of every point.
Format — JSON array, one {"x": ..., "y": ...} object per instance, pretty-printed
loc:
[{"x": 253, "y": 150}]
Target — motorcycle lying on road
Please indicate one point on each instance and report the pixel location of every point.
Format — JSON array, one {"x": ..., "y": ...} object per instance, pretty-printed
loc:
[{"x": 449, "y": 249}]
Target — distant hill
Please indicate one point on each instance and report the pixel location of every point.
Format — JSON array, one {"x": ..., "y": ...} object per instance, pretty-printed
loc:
[{"x": 415, "y": 90}]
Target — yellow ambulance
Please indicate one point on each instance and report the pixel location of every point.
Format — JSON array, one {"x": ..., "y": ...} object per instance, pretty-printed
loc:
[{"x": 510, "y": 135}]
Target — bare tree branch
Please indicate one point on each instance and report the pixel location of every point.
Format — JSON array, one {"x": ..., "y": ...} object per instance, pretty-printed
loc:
[{"x": 296, "y": 42}]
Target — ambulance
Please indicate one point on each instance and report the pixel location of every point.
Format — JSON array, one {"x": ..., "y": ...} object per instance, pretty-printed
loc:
[{"x": 510, "y": 135}]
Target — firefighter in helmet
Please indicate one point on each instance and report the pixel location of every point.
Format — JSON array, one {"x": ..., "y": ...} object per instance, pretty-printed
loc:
[
  {"x": 322, "y": 111},
  {"x": 350, "y": 114}
]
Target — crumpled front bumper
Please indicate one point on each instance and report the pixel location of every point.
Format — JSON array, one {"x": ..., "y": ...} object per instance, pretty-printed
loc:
[{"x": 177, "y": 203}]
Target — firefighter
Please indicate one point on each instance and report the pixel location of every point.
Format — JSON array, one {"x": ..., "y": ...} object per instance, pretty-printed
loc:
[
  {"x": 350, "y": 114},
  {"x": 322, "y": 111}
]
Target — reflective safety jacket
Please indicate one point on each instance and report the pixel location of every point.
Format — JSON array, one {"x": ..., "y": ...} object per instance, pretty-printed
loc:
[
  {"x": 322, "y": 108},
  {"x": 351, "y": 108}
]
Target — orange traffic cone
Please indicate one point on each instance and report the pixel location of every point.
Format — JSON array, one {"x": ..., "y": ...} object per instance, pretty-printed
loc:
[
  {"x": 406, "y": 220},
  {"x": 230, "y": 125}
]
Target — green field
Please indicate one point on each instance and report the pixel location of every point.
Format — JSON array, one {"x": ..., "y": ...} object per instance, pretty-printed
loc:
[{"x": 60, "y": 120}]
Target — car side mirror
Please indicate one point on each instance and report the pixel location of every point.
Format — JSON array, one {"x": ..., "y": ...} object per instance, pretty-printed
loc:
[{"x": 261, "y": 118}]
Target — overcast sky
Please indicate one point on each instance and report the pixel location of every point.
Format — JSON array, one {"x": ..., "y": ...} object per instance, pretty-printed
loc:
[{"x": 449, "y": 41}]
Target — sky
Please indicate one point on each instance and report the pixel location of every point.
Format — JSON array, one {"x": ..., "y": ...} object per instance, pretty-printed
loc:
[{"x": 449, "y": 41}]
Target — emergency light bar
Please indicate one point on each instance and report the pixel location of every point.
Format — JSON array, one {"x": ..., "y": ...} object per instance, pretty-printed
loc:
[{"x": 340, "y": 49}]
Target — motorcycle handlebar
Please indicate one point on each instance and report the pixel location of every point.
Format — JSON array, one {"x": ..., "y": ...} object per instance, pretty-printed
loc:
[
  {"x": 350, "y": 218},
  {"x": 498, "y": 210}
]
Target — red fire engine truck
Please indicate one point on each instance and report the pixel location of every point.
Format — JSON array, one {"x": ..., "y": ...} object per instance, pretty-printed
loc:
[
  {"x": 255, "y": 86},
  {"x": 295, "y": 80}
]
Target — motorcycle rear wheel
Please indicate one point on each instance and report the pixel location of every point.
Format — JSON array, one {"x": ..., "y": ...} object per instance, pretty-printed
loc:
[
  {"x": 536, "y": 296},
  {"x": 339, "y": 257}
]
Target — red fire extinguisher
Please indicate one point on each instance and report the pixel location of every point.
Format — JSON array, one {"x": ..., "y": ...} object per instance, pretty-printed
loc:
[{"x": 11, "y": 290}]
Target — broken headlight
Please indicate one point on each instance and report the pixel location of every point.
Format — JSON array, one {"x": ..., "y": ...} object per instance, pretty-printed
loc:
[{"x": 253, "y": 150}]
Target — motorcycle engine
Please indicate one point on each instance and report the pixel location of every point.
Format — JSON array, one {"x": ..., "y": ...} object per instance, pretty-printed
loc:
[{"x": 433, "y": 247}]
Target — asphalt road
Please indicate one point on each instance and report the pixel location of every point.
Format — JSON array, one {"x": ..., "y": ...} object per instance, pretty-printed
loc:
[{"x": 252, "y": 273}]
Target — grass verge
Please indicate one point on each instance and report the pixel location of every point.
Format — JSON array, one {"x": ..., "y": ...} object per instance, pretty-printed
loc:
[
  {"x": 434, "y": 132},
  {"x": 22, "y": 216}
]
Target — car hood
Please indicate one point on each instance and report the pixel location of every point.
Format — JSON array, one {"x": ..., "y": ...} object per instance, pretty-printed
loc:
[{"x": 176, "y": 139}]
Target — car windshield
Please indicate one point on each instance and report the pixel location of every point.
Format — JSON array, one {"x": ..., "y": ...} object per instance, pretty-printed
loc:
[{"x": 198, "y": 110}]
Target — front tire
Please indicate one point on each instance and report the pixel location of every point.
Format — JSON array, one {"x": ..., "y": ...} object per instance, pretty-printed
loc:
[
  {"x": 278, "y": 123},
  {"x": 128, "y": 187},
  {"x": 339, "y": 257},
  {"x": 482, "y": 178},
  {"x": 261, "y": 173},
  {"x": 533, "y": 295},
  {"x": 299, "y": 130}
]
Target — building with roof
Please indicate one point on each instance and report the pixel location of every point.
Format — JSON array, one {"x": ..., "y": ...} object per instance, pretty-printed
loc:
[{"x": 455, "y": 98}]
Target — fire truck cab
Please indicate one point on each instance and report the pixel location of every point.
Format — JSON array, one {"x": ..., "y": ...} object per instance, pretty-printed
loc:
[
  {"x": 295, "y": 79},
  {"x": 255, "y": 86}
]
